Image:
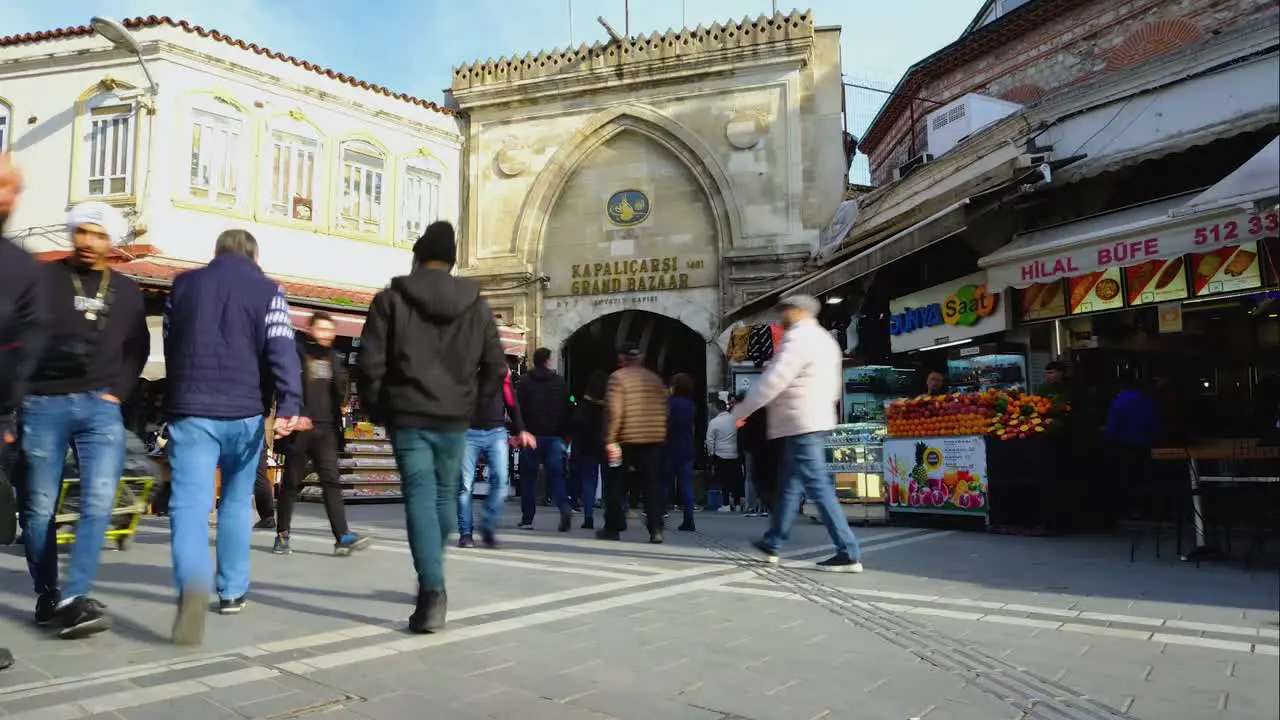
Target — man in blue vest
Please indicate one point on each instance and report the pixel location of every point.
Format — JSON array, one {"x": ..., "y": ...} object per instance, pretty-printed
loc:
[{"x": 224, "y": 324}]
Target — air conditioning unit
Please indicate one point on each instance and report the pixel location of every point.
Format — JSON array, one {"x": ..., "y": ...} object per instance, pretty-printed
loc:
[
  {"x": 911, "y": 165},
  {"x": 947, "y": 126}
]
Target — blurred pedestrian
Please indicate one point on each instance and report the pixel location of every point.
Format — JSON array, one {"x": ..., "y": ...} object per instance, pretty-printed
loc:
[
  {"x": 636, "y": 402},
  {"x": 543, "y": 396},
  {"x": 679, "y": 453},
  {"x": 587, "y": 445}
]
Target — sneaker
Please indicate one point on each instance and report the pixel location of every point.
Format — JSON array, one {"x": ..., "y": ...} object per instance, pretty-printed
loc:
[
  {"x": 6, "y": 658},
  {"x": 655, "y": 537},
  {"x": 188, "y": 626},
  {"x": 281, "y": 546},
  {"x": 525, "y": 526},
  {"x": 840, "y": 563},
  {"x": 589, "y": 523},
  {"x": 350, "y": 543},
  {"x": 267, "y": 523},
  {"x": 489, "y": 539},
  {"x": 81, "y": 618},
  {"x": 47, "y": 607},
  {"x": 429, "y": 615},
  {"x": 466, "y": 541},
  {"x": 232, "y": 607},
  {"x": 770, "y": 555},
  {"x": 687, "y": 526},
  {"x": 566, "y": 521}
]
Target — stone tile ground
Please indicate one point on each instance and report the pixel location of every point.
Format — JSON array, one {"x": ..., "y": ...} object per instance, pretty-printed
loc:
[{"x": 565, "y": 627}]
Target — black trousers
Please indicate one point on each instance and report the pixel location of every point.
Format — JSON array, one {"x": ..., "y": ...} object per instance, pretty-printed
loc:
[
  {"x": 728, "y": 477},
  {"x": 263, "y": 496},
  {"x": 641, "y": 470},
  {"x": 320, "y": 446}
]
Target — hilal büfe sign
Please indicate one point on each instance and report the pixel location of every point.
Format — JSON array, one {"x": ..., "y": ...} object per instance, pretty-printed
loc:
[{"x": 957, "y": 310}]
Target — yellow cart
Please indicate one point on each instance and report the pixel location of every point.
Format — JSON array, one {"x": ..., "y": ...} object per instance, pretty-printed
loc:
[{"x": 131, "y": 502}]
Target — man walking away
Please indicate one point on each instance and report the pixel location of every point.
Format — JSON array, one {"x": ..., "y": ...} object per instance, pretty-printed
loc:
[
  {"x": 801, "y": 389},
  {"x": 636, "y": 402},
  {"x": 722, "y": 447},
  {"x": 318, "y": 438},
  {"x": 229, "y": 348},
  {"x": 22, "y": 320},
  {"x": 679, "y": 451},
  {"x": 429, "y": 350},
  {"x": 544, "y": 401},
  {"x": 488, "y": 438},
  {"x": 98, "y": 345},
  {"x": 588, "y": 445}
]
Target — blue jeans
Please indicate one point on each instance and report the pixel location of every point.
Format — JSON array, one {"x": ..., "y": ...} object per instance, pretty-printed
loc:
[
  {"x": 681, "y": 469},
  {"x": 804, "y": 472},
  {"x": 197, "y": 448},
  {"x": 493, "y": 446},
  {"x": 586, "y": 473},
  {"x": 50, "y": 423},
  {"x": 548, "y": 454},
  {"x": 430, "y": 464}
]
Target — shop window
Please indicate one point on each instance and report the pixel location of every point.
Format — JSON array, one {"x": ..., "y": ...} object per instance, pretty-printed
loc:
[
  {"x": 293, "y": 156},
  {"x": 217, "y": 153},
  {"x": 362, "y": 188},
  {"x": 5, "y": 113},
  {"x": 108, "y": 143},
  {"x": 419, "y": 203}
]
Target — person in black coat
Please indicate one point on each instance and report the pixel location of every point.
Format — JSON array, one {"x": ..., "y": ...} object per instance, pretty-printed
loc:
[
  {"x": 587, "y": 437},
  {"x": 764, "y": 457}
]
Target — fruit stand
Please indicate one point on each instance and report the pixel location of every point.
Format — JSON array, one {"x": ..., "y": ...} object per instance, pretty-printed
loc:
[{"x": 935, "y": 457}]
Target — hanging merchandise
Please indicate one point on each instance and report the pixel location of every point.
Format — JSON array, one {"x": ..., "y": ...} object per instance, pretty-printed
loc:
[
  {"x": 738, "y": 344},
  {"x": 760, "y": 345}
]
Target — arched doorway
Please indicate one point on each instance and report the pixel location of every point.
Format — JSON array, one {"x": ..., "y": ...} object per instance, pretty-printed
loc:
[{"x": 669, "y": 346}]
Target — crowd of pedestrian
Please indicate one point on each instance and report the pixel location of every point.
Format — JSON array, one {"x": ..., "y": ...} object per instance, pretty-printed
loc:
[{"x": 74, "y": 340}]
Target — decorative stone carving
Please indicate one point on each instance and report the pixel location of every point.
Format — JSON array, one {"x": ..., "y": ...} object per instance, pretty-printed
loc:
[
  {"x": 746, "y": 129},
  {"x": 512, "y": 159},
  {"x": 296, "y": 114}
]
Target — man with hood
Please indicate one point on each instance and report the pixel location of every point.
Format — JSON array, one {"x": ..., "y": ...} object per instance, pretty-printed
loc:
[
  {"x": 429, "y": 355},
  {"x": 544, "y": 402},
  {"x": 98, "y": 345},
  {"x": 319, "y": 437},
  {"x": 22, "y": 319}
]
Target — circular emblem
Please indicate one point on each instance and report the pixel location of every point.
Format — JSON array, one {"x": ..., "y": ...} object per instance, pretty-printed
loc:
[
  {"x": 932, "y": 459},
  {"x": 628, "y": 208}
]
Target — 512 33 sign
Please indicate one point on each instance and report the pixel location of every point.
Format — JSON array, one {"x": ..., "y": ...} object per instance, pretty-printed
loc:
[{"x": 1231, "y": 231}]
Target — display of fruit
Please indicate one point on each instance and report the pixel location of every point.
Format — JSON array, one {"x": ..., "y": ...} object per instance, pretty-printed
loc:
[
  {"x": 938, "y": 415},
  {"x": 1016, "y": 415}
]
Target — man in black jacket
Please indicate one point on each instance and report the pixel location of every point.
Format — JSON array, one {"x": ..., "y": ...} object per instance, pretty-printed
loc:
[
  {"x": 98, "y": 345},
  {"x": 22, "y": 318},
  {"x": 324, "y": 394},
  {"x": 429, "y": 351},
  {"x": 544, "y": 402}
]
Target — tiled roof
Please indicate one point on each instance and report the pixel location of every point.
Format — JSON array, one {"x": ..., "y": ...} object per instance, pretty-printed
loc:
[{"x": 151, "y": 21}]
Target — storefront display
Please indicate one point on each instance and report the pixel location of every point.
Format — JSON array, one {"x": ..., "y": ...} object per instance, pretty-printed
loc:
[
  {"x": 944, "y": 475},
  {"x": 1096, "y": 291},
  {"x": 867, "y": 388},
  {"x": 1225, "y": 270},
  {"x": 986, "y": 370},
  {"x": 854, "y": 459},
  {"x": 1042, "y": 301},
  {"x": 1156, "y": 281}
]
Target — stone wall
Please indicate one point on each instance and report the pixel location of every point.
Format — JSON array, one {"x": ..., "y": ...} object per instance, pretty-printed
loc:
[{"x": 1098, "y": 37}]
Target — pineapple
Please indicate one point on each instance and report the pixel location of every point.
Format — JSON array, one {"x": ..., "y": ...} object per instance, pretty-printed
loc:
[{"x": 918, "y": 473}]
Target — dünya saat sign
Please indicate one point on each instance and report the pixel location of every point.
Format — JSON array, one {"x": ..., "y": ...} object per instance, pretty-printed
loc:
[{"x": 957, "y": 310}]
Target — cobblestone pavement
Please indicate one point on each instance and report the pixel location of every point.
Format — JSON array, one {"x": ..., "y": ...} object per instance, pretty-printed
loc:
[{"x": 941, "y": 625}]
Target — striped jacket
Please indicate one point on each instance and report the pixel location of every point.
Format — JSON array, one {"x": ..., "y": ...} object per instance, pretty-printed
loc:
[{"x": 636, "y": 404}]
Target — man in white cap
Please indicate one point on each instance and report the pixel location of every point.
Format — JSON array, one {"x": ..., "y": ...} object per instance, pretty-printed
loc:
[
  {"x": 98, "y": 345},
  {"x": 801, "y": 388}
]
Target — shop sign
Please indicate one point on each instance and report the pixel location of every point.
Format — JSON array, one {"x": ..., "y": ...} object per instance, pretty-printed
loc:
[
  {"x": 945, "y": 476},
  {"x": 955, "y": 311},
  {"x": 1198, "y": 235},
  {"x": 631, "y": 275}
]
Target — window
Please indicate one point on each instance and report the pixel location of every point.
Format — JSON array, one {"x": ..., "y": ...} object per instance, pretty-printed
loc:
[
  {"x": 217, "y": 149},
  {"x": 4, "y": 127},
  {"x": 361, "y": 185},
  {"x": 419, "y": 203},
  {"x": 110, "y": 141},
  {"x": 293, "y": 175}
]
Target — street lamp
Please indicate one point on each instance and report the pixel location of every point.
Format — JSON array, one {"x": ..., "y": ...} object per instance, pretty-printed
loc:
[{"x": 117, "y": 34}]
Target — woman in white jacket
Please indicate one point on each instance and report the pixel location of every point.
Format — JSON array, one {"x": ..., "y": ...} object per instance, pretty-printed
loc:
[{"x": 801, "y": 388}]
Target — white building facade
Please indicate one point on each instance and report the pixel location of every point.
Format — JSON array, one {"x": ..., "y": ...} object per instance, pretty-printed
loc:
[{"x": 335, "y": 177}]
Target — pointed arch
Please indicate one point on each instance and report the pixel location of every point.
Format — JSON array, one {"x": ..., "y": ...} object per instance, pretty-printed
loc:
[{"x": 535, "y": 212}]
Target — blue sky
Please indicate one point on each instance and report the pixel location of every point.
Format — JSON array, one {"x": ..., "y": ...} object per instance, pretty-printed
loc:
[{"x": 411, "y": 45}]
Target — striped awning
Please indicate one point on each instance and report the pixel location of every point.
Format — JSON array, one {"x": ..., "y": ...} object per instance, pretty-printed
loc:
[{"x": 513, "y": 342}]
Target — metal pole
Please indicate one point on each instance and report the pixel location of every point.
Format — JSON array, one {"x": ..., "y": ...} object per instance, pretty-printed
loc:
[
  {"x": 570, "y": 23},
  {"x": 626, "y": 18},
  {"x": 775, "y": 7}
]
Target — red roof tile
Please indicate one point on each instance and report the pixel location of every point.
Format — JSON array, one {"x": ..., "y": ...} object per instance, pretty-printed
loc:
[{"x": 151, "y": 21}]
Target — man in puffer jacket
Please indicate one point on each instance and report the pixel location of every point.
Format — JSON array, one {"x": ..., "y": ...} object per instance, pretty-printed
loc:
[{"x": 544, "y": 401}]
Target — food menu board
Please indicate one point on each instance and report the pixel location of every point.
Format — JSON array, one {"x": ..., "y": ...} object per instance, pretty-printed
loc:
[
  {"x": 1227, "y": 269},
  {"x": 1096, "y": 291},
  {"x": 1042, "y": 302},
  {"x": 1156, "y": 281}
]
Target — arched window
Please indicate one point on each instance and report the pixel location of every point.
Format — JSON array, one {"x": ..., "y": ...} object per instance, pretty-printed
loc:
[
  {"x": 293, "y": 157},
  {"x": 219, "y": 152},
  {"x": 361, "y": 187},
  {"x": 109, "y": 140},
  {"x": 5, "y": 126},
  {"x": 419, "y": 199}
]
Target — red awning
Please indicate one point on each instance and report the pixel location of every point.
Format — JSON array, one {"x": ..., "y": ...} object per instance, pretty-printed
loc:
[{"x": 157, "y": 270}]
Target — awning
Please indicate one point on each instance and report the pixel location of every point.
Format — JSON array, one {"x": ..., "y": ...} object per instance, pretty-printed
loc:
[
  {"x": 154, "y": 369},
  {"x": 940, "y": 226},
  {"x": 1223, "y": 215},
  {"x": 513, "y": 342}
]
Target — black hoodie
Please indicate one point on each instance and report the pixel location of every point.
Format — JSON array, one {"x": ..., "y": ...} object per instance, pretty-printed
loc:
[
  {"x": 429, "y": 349},
  {"x": 23, "y": 320}
]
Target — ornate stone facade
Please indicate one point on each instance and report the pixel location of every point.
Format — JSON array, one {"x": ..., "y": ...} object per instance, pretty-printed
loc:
[{"x": 681, "y": 173}]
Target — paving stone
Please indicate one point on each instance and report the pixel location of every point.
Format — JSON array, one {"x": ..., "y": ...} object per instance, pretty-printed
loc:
[{"x": 190, "y": 708}]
